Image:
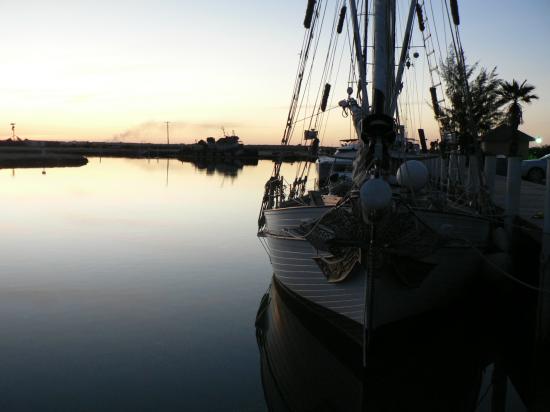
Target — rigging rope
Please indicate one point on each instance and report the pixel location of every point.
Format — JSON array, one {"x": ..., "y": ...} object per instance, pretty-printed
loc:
[
  {"x": 331, "y": 51},
  {"x": 299, "y": 182},
  {"x": 274, "y": 188},
  {"x": 308, "y": 82},
  {"x": 320, "y": 114},
  {"x": 327, "y": 116}
]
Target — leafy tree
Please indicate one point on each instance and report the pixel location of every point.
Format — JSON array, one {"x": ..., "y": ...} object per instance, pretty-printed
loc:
[{"x": 482, "y": 107}]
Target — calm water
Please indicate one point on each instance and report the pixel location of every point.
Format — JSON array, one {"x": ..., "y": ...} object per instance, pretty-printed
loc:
[
  {"x": 128, "y": 286},
  {"x": 119, "y": 291}
]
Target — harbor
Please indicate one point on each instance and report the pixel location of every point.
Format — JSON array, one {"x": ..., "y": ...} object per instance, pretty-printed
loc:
[
  {"x": 323, "y": 205},
  {"x": 445, "y": 352}
]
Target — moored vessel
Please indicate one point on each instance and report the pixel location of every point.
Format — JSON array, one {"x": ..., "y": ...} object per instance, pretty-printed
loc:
[{"x": 392, "y": 243}]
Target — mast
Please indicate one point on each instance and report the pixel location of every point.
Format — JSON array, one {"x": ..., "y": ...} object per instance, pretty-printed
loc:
[
  {"x": 403, "y": 57},
  {"x": 365, "y": 34},
  {"x": 359, "y": 55},
  {"x": 384, "y": 65}
]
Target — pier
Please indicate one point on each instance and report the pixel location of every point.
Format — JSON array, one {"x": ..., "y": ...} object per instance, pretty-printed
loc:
[
  {"x": 525, "y": 208},
  {"x": 525, "y": 202},
  {"x": 531, "y": 201}
]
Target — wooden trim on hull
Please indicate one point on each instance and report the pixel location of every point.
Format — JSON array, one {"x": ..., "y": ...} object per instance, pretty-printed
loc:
[{"x": 279, "y": 220}]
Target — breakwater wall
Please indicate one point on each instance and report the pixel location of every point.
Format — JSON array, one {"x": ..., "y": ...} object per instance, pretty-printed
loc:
[{"x": 17, "y": 149}]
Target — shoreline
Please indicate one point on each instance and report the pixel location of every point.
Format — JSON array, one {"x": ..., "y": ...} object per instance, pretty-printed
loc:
[
  {"x": 160, "y": 150},
  {"x": 39, "y": 159},
  {"x": 40, "y": 153}
]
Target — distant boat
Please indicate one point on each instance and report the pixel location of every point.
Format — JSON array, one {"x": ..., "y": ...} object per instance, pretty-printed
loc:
[
  {"x": 333, "y": 170},
  {"x": 341, "y": 163},
  {"x": 227, "y": 147}
]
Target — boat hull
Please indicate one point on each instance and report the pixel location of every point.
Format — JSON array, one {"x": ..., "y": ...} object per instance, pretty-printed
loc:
[{"x": 394, "y": 298}]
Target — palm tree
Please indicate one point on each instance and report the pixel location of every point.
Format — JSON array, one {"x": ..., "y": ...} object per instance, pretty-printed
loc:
[{"x": 514, "y": 95}]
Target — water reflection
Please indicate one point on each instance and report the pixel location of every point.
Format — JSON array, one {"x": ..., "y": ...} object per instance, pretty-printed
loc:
[
  {"x": 460, "y": 359},
  {"x": 118, "y": 293},
  {"x": 230, "y": 168}
]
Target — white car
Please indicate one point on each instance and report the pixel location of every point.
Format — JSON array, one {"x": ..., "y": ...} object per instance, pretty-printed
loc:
[{"x": 535, "y": 169}]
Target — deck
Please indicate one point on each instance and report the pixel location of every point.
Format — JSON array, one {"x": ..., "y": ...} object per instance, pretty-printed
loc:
[{"x": 531, "y": 201}]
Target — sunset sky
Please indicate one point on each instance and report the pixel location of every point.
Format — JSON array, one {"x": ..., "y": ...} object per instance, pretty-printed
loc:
[{"x": 107, "y": 70}]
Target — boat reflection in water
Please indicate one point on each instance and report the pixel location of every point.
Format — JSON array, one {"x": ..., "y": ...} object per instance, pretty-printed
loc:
[
  {"x": 441, "y": 362},
  {"x": 229, "y": 168}
]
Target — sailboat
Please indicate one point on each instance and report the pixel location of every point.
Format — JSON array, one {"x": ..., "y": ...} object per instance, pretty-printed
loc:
[{"x": 399, "y": 241}]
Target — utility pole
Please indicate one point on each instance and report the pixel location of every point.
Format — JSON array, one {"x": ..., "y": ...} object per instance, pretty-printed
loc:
[
  {"x": 167, "y": 132},
  {"x": 12, "y": 130}
]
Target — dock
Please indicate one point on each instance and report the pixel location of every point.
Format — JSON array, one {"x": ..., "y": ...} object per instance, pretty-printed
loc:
[
  {"x": 528, "y": 198},
  {"x": 525, "y": 209},
  {"x": 531, "y": 204}
]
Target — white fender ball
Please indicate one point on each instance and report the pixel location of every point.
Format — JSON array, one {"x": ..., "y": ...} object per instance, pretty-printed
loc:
[
  {"x": 375, "y": 195},
  {"x": 413, "y": 174}
]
